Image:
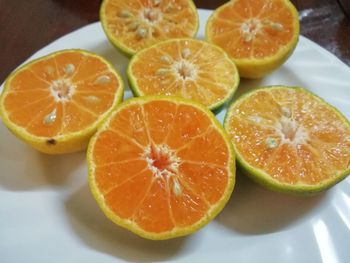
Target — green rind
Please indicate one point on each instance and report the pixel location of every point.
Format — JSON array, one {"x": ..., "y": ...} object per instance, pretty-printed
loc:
[
  {"x": 75, "y": 141},
  {"x": 265, "y": 179},
  {"x": 138, "y": 93},
  {"x": 177, "y": 232},
  {"x": 257, "y": 68},
  {"x": 123, "y": 48}
]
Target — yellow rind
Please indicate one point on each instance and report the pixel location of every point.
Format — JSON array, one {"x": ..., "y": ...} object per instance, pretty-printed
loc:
[
  {"x": 252, "y": 68},
  {"x": 176, "y": 232},
  {"x": 72, "y": 142},
  {"x": 214, "y": 106},
  {"x": 264, "y": 178},
  {"x": 125, "y": 49}
]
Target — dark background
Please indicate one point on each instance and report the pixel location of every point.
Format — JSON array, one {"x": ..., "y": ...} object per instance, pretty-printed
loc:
[{"x": 28, "y": 25}]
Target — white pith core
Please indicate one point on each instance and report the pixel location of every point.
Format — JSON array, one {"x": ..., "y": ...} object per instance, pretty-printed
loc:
[
  {"x": 250, "y": 28},
  {"x": 184, "y": 70},
  {"x": 164, "y": 164},
  {"x": 62, "y": 89},
  {"x": 291, "y": 132},
  {"x": 287, "y": 130}
]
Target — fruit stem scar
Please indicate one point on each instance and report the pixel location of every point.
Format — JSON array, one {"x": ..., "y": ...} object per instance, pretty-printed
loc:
[{"x": 51, "y": 141}]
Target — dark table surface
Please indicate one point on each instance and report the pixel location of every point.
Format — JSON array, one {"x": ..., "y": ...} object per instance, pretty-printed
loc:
[{"x": 26, "y": 26}]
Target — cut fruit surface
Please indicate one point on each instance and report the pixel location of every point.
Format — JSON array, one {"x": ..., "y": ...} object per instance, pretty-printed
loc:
[
  {"x": 133, "y": 25},
  {"x": 259, "y": 35},
  {"x": 161, "y": 167},
  {"x": 189, "y": 68},
  {"x": 55, "y": 103},
  {"x": 289, "y": 139}
]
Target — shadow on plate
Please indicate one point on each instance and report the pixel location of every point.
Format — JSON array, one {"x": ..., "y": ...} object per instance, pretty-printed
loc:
[
  {"x": 254, "y": 210},
  {"x": 99, "y": 233},
  {"x": 23, "y": 168}
]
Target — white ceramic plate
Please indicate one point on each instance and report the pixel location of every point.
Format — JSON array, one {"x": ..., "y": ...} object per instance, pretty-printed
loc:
[{"x": 47, "y": 213}]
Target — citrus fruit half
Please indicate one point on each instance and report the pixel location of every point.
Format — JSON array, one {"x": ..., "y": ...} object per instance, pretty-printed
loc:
[
  {"x": 189, "y": 68},
  {"x": 55, "y": 103},
  {"x": 289, "y": 139},
  {"x": 161, "y": 167},
  {"x": 132, "y": 25},
  {"x": 259, "y": 35}
]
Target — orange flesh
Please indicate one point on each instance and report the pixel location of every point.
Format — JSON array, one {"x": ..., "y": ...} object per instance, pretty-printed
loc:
[
  {"x": 78, "y": 100},
  {"x": 205, "y": 74},
  {"x": 313, "y": 150},
  {"x": 137, "y": 24},
  {"x": 148, "y": 194},
  {"x": 252, "y": 28}
]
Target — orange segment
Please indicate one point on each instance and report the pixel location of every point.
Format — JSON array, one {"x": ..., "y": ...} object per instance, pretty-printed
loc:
[
  {"x": 96, "y": 102},
  {"x": 160, "y": 118},
  {"x": 125, "y": 198},
  {"x": 69, "y": 58},
  {"x": 188, "y": 208},
  {"x": 134, "y": 25},
  {"x": 258, "y": 35},
  {"x": 38, "y": 127},
  {"x": 91, "y": 66},
  {"x": 27, "y": 80},
  {"x": 188, "y": 124},
  {"x": 214, "y": 179},
  {"x": 114, "y": 174},
  {"x": 132, "y": 123},
  {"x": 153, "y": 215},
  {"x": 209, "y": 148},
  {"x": 45, "y": 70},
  {"x": 76, "y": 117},
  {"x": 22, "y": 115},
  {"x": 289, "y": 139},
  {"x": 112, "y": 147},
  {"x": 161, "y": 167},
  {"x": 55, "y": 103},
  {"x": 189, "y": 68}
]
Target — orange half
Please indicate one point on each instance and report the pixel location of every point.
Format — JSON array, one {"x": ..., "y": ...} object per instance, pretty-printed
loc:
[
  {"x": 259, "y": 35},
  {"x": 188, "y": 68},
  {"x": 55, "y": 103},
  {"x": 289, "y": 139},
  {"x": 161, "y": 167},
  {"x": 136, "y": 24}
]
